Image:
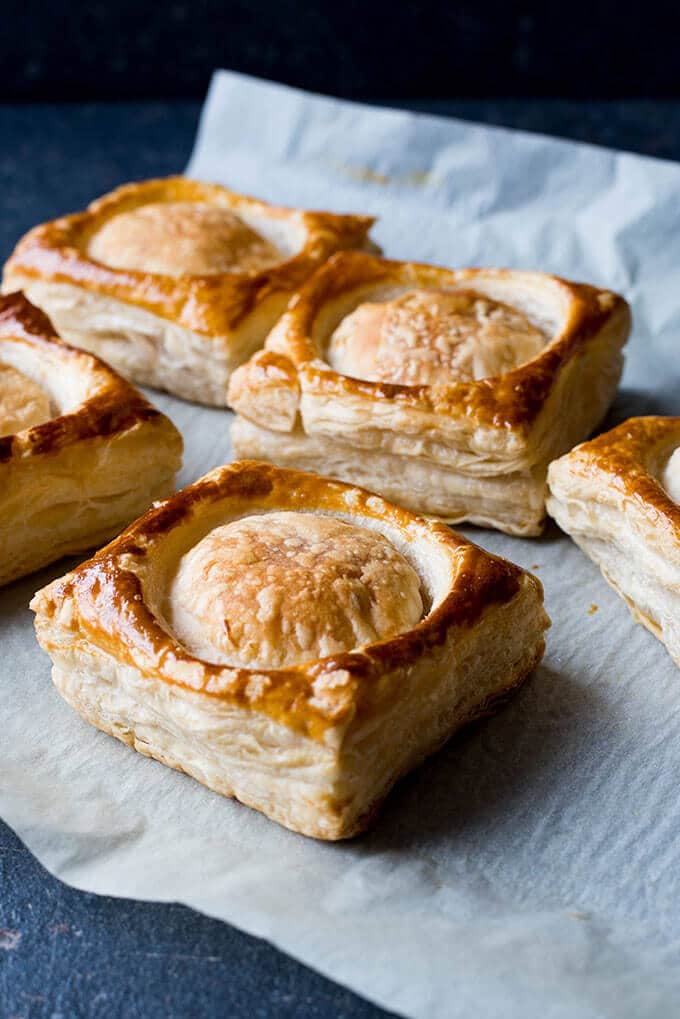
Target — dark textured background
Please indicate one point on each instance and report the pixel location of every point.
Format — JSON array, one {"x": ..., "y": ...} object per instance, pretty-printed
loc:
[{"x": 378, "y": 48}]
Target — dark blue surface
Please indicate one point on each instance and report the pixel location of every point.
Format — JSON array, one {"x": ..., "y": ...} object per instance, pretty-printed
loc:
[
  {"x": 140, "y": 49},
  {"x": 65, "y": 954}
]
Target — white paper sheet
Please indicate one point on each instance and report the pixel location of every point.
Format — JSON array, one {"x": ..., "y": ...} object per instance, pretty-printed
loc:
[{"x": 532, "y": 869}]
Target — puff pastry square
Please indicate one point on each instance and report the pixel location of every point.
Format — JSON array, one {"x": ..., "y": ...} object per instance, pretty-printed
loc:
[
  {"x": 290, "y": 641},
  {"x": 82, "y": 453},
  {"x": 174, "y": 282},
  {"x": 618, "y": 497},
  {"x": 447, "y": 391}
]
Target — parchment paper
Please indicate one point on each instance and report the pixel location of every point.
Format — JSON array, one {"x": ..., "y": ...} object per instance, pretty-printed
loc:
[{"x": 533, "y": 867}]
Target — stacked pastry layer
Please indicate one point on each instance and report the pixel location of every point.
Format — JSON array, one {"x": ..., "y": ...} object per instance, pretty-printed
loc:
[
  {"x": 617, "y": 497},
  {"x": 82, "y": 453},
  {"x": 447, "y": 391}
]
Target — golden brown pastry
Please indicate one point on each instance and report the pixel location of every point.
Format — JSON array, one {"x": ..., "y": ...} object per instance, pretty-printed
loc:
[
  {"x": 447, "y": 391},
  {"x": 618, "y": 497},
  {"x": 175, "y": 282},
  {"x": 81, "y": 452},
  {"x": 290, "y": 641}
]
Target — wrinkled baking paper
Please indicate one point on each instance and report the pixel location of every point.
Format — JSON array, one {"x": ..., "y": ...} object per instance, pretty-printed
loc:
[{"x": 532, "y": 868}]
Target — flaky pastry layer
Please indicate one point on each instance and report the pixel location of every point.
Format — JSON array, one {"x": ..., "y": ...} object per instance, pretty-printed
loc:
[
  {"x": 487, "y": 432},
  {"x": 615, "y": 497},
  {"x": 316, "y": 745},
  {"x": 184, "y": 331},
  {"x": 510, "y": 502},
  {"x": 104, "y": 454}
]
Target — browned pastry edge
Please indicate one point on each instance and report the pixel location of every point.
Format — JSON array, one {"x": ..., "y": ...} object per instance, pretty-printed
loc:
[
  {"x": 115, "y": 406},
  {"x": 512, "y": 400},
  {"x": 211, "y": 305},
  {"x": 111, "y": 613},
  {"x": 630, "y": 455}
]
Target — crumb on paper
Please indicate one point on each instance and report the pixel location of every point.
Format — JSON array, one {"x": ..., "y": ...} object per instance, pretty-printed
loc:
[
  {"x": 365, "y": 173},
  {"x": 593, "y": 609},
  {"x": 419, "y": 178},
  {"x": 534, "y": 566},
  {"x": 414, "y": 178},
  {"x": 579, "y": 916}
]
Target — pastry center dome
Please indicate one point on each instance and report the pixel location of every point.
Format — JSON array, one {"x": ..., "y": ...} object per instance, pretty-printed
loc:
[
  {"x": 182, "y": 238},
  {"x": 425, "y": 337},
  {"x": 284, "y": 588}
]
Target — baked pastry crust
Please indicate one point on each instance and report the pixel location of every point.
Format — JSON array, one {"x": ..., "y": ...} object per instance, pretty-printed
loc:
[
  {"x": 473, "y": 449},
  {"x": 617, "y": 497},
  {"x": 101, "y": 457},
  {"x": 315, "y": 744},
  {"x": 183, "y": 329}
]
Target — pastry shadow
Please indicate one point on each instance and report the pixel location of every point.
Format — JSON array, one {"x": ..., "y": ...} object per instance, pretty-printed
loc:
[
  {"x": 631, "y": 403},
  {"x": 491, "y": 774}
]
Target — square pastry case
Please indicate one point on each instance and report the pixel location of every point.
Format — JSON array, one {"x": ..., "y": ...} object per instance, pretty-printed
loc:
[
  {"x": 448, "y": 391},
  {"x": 293, "y": 642},
  {"x": 175, "y": 282},
  {"x": 618, "y": 497},
  {"x": 82, "y": 453}
]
